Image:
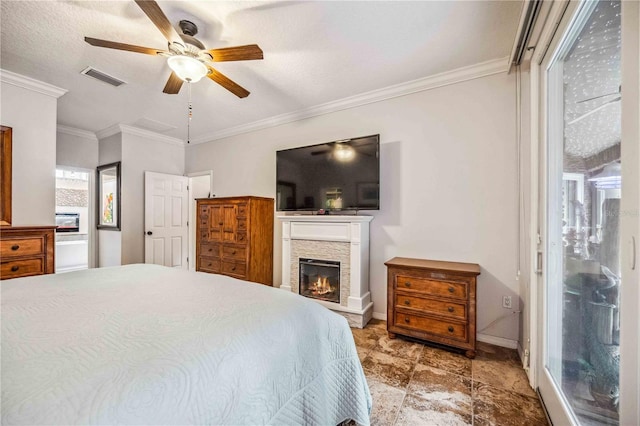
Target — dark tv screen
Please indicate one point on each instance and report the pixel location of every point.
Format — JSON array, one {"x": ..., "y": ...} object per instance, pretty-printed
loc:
[{"x": 340, "y": 175}]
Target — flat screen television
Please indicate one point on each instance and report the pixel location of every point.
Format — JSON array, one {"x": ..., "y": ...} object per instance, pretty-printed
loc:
[{"x": 340, "y": 175}]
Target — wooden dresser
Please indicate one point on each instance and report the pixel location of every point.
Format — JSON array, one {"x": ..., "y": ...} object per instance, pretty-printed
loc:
[
  {"x": 235, "y": 237},
  {"x": 433, "y": 301},
  {"x": 26, "y": 251}
]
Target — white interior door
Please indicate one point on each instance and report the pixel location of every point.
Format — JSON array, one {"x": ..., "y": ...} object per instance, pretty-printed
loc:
[
  {"x": 588, "y": 300},
  {"x": 166, "y": 213}
]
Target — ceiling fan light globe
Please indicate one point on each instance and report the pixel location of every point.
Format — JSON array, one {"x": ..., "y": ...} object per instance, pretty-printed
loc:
[
  {"x": 344, "y": 153},
  {"x": 187, "y": 68}
]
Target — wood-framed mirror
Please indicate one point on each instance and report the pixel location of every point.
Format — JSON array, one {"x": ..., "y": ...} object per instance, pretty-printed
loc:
[{"x": 5, "y": 176}]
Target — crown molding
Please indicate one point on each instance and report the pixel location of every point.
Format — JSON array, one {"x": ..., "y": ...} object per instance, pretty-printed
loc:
[
  {"x": 483, "y": 69},
  {"x": 31, "y": 84},
  {"x": 136, "y": 131},
  {"x": 85, "y": 134}
]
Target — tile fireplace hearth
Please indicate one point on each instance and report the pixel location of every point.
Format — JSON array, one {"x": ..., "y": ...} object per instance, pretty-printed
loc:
[{"x": 327, "y": 258}]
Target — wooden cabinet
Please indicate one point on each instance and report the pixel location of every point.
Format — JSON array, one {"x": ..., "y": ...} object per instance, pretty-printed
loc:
[
  {"x": 235, "y": 237},
  {"x": 26, "y": 251},
  {"x": 433, "y": 301}
]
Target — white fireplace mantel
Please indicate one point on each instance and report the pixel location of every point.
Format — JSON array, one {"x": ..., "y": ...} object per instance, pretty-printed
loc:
[{"x": 353, "y": 230}]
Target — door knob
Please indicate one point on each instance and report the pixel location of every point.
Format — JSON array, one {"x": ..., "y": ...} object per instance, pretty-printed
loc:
[{"x": 149, "y": 233}]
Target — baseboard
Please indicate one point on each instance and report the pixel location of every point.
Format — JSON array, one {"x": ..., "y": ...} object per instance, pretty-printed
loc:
[
  {"x": 498, "y": 341},
  {"x": 380, "y": 316}
]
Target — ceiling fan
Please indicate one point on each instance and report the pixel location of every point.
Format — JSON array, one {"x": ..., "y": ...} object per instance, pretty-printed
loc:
[
  {"x": 599, "y": 107},
  {"x": 187, "y": 57}
]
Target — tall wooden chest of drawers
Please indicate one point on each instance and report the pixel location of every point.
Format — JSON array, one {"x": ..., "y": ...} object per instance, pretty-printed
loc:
[
  {"x": 235, "y": 237},
  {"x": 26, "y": 251},
  {"x": 433, "y": 301}
]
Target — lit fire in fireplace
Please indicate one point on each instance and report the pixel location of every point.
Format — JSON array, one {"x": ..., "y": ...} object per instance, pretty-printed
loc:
[{"x": 321, "y": 286}]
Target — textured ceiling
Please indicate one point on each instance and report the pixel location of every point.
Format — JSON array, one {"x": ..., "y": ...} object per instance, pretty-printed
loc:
[
  {"x": 592, "y": 69},
  {"x": 315, "y": 52}
]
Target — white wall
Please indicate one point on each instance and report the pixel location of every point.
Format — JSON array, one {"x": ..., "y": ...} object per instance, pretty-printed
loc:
[
  {"x": 137, "y": 153},
  {"x": 110, "y": 149},
  {"x": 448, "y": 181},
  {"x": 76, "y": 151},
  {"x": 140, "y": 154},
  {"x": 109, "y": 242},
  {"x": 32, "y": 115}
]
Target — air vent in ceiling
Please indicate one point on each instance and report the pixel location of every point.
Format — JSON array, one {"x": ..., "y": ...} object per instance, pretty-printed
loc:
[{"x": 99, "y": 75}]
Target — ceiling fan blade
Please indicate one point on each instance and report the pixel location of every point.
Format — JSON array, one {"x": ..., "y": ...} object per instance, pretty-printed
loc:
[
  {"x": 596, "y": 109},
  {"x": 122, "y": 46},
  {"x": 173, "y": 84},
  {"x": 159, "y": 19},
  {"x": 227, "y": 83},
  {"x": 237, "y": 53}
]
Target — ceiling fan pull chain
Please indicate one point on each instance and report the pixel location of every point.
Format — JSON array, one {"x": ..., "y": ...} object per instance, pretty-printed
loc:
[{"x": 190, "y": 115}]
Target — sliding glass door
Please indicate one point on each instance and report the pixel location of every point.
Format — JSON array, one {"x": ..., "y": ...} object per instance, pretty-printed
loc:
[{"x": 582, "y": 203}]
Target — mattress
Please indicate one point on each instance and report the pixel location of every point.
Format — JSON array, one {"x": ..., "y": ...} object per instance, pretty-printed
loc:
[{"x": 147, "y": 344}]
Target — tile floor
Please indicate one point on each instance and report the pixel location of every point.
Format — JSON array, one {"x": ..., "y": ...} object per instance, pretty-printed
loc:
[{"x": 415, "y": 384}]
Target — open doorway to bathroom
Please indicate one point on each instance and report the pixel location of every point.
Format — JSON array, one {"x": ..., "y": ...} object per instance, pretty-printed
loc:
[{"x": 74, "y": 219}]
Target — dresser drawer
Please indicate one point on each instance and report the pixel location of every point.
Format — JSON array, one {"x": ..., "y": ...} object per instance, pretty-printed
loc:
[
  {"x": 437, "y": 327},
  {"x": 210, "y": 264},
  {"x": 448, "y": 309},
  {"x": 452, "y": 289},
  {"x": 242, "y": 224},
  {"x": 15, "y": 247},
  {"x": 210, "y": 249},
  {"x": 238, "y": 252},
  {"x": 237, "y": 269},
  {"x": 22, "y": 268}
]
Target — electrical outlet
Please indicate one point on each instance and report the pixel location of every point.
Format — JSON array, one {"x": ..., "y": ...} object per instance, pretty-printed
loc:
[{"x": 506, "y": 302}]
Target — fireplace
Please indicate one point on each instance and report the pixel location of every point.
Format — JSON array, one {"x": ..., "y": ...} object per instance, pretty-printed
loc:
[
  {"x": 344, "y": 240},
  {"x": 320, "y": 279}
]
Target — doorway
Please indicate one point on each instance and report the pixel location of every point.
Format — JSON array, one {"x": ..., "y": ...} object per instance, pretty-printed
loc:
[
  {"x": 74, "y": 219},
  {"x": 200, "y": 186},
  {"x": 587, "y": 263}
]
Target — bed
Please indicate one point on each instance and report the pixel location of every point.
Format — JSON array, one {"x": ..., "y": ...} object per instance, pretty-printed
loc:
[{"x": 147, "y": 344}]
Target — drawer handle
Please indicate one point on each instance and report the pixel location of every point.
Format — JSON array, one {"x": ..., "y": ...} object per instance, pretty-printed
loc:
[
  {"x": 209, "y": 264},
  {"x": 220, "y": 223},
  {"x": 407, "y": 320},
  {"x": 450, "y": 309},
  {"x": 407, "y": 302},
  {"x": 210, "y": 249},
  {"x": 233, "y": 252},
  {"x": 407, "y": 284},
  {"x": 233, "y": 269},
  {"x": 451, "y": 289},
  {"x": 450, "y": 329},
  {"x": 241, "y": 237},
  {"x": 14, "y": 268},
  {"x": 15, "y": 247}
]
